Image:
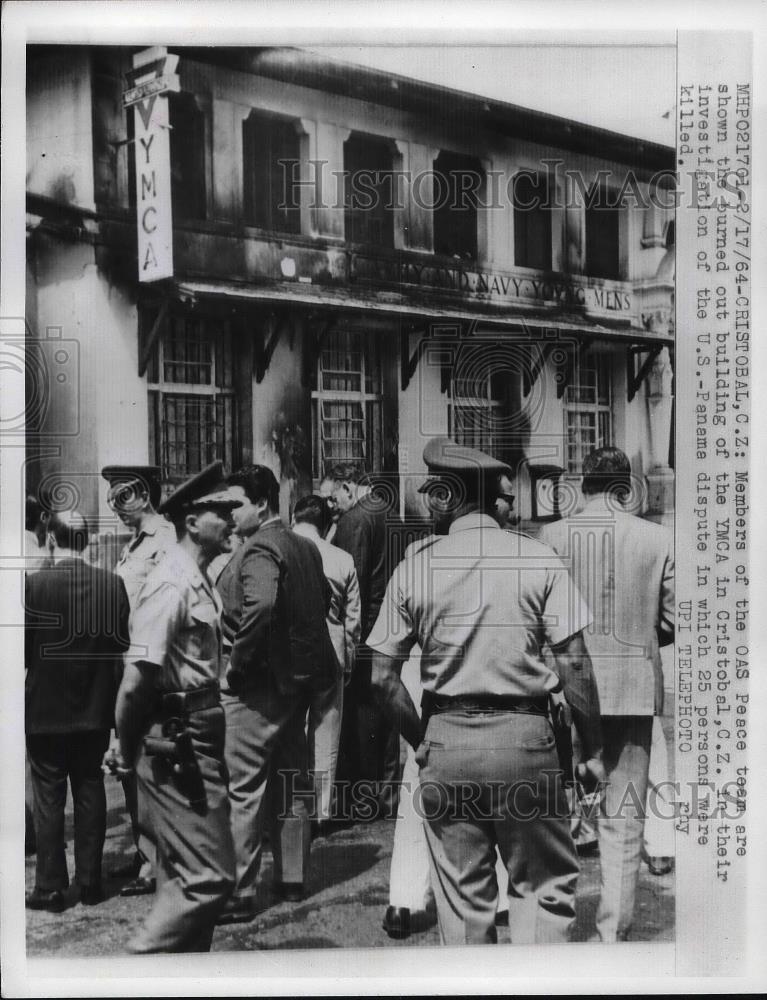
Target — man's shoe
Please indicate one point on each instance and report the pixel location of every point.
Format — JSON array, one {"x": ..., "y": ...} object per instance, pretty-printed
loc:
[
  {"x": 396, "y": 922},
  {"x": 238, "y": 910},
  {"x": 291, "y": 892},
  {"x": 139, "y": 887},
  {"x": 53, "y": 901},
  {"x": 660, "y": 866},
  {"x": 91, "y": 895}
]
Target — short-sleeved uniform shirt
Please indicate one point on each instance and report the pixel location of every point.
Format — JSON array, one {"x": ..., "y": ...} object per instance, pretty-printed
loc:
[
  {"x": 175, "y": 625},
  {"x": 142, "y": 553},
  {"x": 481, "y": 603}
]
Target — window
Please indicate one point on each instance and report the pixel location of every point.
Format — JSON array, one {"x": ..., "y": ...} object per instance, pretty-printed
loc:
[
  {"x": 588, "y": 414},
  {"x": 191, "y": 397},
  {"x": 346, "y": 405},
  {"x": 457, "y": 181},
  {"x": 532, "y": 222},
  {"x": 476, "y": 412},
  {"x": 368, "y": 190},
  {"x": 187, "y": 157},
  {"x": 271, "y": 152},
  {"x": 602, "y": 234}
]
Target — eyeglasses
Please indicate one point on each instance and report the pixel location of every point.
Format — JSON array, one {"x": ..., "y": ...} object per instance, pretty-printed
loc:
[{"x": 508, "y": 497}]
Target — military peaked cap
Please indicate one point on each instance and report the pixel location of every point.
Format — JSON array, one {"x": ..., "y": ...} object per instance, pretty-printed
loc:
[
  {"x": 205, "y": 489},
  {"x": 444, "y": 457}
]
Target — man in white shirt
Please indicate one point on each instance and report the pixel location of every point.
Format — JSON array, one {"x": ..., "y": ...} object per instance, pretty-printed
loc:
[{"x": 312, "y": 519}]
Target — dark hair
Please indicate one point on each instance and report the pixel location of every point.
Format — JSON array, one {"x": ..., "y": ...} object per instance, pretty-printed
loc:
[
  {"x": 313, "y": 509},
  {"x": 70, "y": 530},
  {"x": 606, "y": 470},
  {"x": 155, "y": 492},
  {"x": 33, "y": 513},
  {"x": 259, "y": 483},
  {"x": 346, "y": 472}
]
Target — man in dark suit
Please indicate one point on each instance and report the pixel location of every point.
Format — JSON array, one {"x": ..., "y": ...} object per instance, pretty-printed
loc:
[
  {"x": 76, "y": 630},
  {"x": 369, "y": 747},
  {"x": 275, "y": 599}
]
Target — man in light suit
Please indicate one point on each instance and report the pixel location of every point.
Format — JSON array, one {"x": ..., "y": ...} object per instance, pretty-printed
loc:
[
  {"x": 624, "y": 568},
  {"x": 312, "y": 518}
]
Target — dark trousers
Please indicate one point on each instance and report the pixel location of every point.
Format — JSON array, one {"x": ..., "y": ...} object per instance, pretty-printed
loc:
[
  {"x": 54, "y": 758},
  {"x": 369, "y": 748}
]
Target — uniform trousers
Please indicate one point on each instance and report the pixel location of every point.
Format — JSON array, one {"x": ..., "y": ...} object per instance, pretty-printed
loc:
[
  {"x": 54, "y": 758},
  {"x": 323, "y": 734},
  {"x": 627, "y": 741},
  {"x": 487, "y": 780},
  {"x": 266, "y": 745},
  {"x": 195, "y": 854},
  {"x": 409, "y": 875}
]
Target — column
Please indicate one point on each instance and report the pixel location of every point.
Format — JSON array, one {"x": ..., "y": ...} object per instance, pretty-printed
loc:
[{"x": 660, "y": 476}]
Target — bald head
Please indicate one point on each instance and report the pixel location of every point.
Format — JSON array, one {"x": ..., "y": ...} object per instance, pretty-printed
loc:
[{"x": 69, "y": 529}]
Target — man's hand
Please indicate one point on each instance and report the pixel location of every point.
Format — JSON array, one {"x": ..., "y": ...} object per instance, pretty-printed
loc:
[
  {"x": 114, "y": 764},
  {"x": 591, "y": 773}
]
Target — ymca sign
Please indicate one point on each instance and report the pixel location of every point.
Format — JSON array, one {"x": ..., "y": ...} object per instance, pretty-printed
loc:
[{"x": 152, "y": 76}]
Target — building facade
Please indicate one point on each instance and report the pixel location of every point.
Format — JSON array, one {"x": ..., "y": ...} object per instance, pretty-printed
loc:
[{"x": 360, "y": 262}]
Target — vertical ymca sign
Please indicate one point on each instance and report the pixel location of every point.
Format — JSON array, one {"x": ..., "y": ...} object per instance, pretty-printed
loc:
[{"x": 152, "y": 76}]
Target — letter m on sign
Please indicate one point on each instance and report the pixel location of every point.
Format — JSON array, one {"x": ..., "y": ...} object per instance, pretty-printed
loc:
[{"x": 152, "y": 76}]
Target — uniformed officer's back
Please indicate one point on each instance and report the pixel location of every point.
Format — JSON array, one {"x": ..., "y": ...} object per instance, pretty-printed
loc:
[{"x": 482, "y": 603}]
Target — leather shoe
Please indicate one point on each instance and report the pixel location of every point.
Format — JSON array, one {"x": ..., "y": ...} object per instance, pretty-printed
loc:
[
  {"x": 660, "y": 866},
  {"x": 396, "y": 922},
  {"x": 238, "y": 910},
  {"x": 91, "y": 895},
  {"x": 139, "y": 887},
  {"x": 53, "y": 901},
  {"x": 291, "y": 892}
]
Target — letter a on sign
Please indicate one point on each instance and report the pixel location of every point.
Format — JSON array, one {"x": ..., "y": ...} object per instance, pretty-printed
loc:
[{"x": 152, "y": 76}]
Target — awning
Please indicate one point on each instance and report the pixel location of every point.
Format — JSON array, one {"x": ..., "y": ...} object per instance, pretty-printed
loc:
[{"x": 359, "y": 300}]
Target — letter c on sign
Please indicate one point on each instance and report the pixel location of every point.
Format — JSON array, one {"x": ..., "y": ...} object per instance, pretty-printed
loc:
[{"x": 144, "y": 226}]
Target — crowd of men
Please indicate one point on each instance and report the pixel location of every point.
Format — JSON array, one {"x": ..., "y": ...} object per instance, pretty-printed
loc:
[{"x": 252, "y": 673}]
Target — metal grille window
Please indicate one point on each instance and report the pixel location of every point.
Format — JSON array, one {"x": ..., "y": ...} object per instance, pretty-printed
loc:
[
  {"x": 588, "y": 409},
  {"x": 346, "y": 404},
  {"x": 191, "y": 397},
  {"x": 475, "y": 413}
]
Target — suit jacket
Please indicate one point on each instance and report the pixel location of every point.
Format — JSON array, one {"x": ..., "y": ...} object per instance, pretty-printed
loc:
[
  {"x": 76, "y": 619},
  {"x": 624, "y": 568},
  {"x": 275, "y": 599},
  {"x": 361, "y": 532},
  {"x": 344, "y": 612}
]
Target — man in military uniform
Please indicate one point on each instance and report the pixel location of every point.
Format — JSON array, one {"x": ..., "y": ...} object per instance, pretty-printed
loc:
[
  {"x": 171, "y": 724},
  {"x": 134, "y": 494},
  {"x": 481, "y": 603}
]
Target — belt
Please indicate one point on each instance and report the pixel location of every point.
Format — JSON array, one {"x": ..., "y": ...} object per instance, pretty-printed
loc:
[
  {"x": 435, "y": 704},
  {"x": 197, "y": 700}
]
